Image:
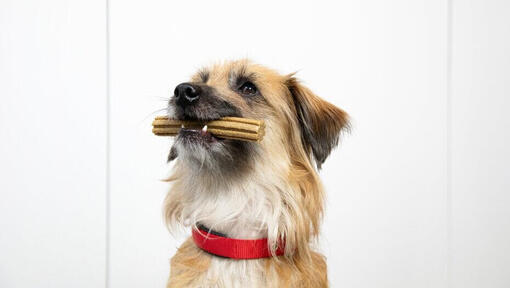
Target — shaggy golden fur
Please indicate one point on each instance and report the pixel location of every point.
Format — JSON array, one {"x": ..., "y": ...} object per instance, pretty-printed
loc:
[{"x": 268, "y": 190}]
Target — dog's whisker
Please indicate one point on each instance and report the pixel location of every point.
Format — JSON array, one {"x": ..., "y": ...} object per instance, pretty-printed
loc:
[{"x": 152, "y": 114}]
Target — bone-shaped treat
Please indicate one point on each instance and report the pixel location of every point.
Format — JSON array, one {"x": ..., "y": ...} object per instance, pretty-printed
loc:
[{"x": 227, "y": 127}]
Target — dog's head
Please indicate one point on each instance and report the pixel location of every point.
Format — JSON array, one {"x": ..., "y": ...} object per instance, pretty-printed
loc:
[
  {"x": 275, "y": 179},
  {"x": 296, "y": 119}
]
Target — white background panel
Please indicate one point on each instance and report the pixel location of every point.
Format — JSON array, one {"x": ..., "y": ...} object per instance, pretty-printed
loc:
[
  {"x": 480, "y": 241},
  {"x": 52, "y": 144},
  {"x": 384, "y": 63}
]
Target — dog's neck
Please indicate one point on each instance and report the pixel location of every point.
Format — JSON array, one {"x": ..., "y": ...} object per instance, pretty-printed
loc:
[
  {"x": 248, "y": 207},
  {"x": 236, "y": 210}
]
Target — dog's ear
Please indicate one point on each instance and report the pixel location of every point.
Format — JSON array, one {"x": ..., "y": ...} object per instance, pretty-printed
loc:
[
  {"x": 172, "y": 155},
  {"x": 321, "y": 122}
]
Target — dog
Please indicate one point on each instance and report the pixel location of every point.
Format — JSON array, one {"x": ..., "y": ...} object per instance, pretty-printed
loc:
[{"x": 267, "y": 192}]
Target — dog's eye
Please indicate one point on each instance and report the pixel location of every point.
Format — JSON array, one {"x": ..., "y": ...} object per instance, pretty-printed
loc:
[{"x": 248, "y": 88}]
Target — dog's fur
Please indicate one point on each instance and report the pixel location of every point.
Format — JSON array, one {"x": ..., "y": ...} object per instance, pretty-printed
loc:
[{"x": 250, "y": 190}]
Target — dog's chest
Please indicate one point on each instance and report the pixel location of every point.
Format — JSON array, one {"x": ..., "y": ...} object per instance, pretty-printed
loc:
[{"x": 235, "y": 273}]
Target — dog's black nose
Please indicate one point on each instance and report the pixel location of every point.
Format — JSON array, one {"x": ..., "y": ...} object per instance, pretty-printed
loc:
[{"x": 186, "y": 93}]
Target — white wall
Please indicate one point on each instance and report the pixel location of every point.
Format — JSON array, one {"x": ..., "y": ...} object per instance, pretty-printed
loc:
[
  {"x": 417, "y": 194},
  {"x": 52, "y": 144},
  {"x": 480, "y": 141}
]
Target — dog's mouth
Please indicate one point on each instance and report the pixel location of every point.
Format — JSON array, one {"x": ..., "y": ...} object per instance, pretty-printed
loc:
[{"x": 197, "y": 134}]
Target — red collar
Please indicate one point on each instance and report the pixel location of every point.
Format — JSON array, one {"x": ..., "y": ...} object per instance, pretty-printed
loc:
[{"x": 213, "y": 243}]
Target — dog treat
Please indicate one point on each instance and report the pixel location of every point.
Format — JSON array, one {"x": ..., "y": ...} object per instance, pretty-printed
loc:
[{"x": 227, "y": 127}]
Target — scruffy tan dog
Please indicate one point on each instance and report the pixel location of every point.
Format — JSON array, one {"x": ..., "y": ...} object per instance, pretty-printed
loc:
[{"x": 267, "y": 191}]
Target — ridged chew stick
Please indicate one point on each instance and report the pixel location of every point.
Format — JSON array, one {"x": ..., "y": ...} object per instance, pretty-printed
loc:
[{"x": 227, "y": 127}]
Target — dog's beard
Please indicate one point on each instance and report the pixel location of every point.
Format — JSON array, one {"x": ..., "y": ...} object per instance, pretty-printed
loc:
[
  {"x": 201, "y": 154},
  {"x": 221, "y": 157}
]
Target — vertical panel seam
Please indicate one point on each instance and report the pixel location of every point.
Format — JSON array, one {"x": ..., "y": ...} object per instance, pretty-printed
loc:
[
  {"x": 449, "y": 127},
  {"x": 108, "y": 110}
]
